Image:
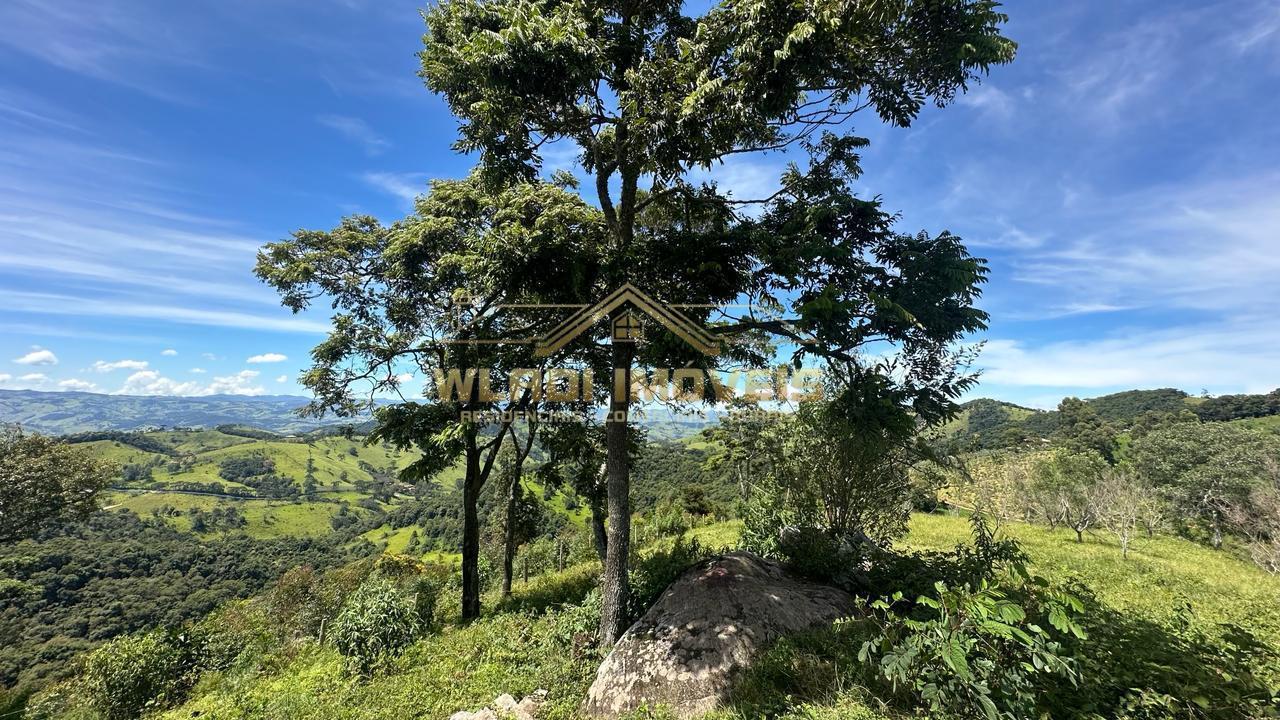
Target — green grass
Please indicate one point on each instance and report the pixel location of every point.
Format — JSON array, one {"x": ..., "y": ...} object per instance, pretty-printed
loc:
[
  {"x": 1159, "y": 575},
  {"x": 527, "y": 642}
]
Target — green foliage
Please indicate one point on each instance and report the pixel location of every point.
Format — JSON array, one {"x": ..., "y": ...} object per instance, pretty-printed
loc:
[
  {"x": 1206, "y": 469},
  {"x": 133, "y": 674},
  {"x": 972, "y": 652},
  {"x": 376, "y": 623},
  {"x": 1082, "y": 430},
  {"x": 116, "y": 574},
  {"x": 1234, "y": 407},
  {"x": 43, "y": 481},
  {"x": 654, "y": 572}
]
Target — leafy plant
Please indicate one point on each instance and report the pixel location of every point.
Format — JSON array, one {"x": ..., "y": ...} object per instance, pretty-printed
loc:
[
  {"x": 971, "y": 652},
  {"x": 135, "y": 673},
  {"x": 377, "y": 622}
]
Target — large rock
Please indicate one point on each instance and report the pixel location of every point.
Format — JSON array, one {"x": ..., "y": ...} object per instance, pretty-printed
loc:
[{"x": 687, "y": 651}]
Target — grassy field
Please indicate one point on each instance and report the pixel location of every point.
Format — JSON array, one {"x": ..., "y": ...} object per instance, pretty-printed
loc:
[{"x": 526, "y": 643}]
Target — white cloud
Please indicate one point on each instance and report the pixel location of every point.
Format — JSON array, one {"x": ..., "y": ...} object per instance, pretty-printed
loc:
[
  {"x": 151, "y": 382},
  {"x": 79, "y": 385},
  {"x": 169, "y": 352},
  {"x": 268, "y": 358},
  {"x": 5, "y": 377},
  {"x": 357, "y": 130},
  {"x": 209, "y": 356},
  {"x": 198, "y": 371},
  {"x": 282, "y": 378},
  {"x": 239, "y": 384},
  {"x": 53, "y": 304},
  {"x": 38, "y": 356},
  {"x": 34, "y": 377},
  {"x": 403, "y": 378},
  {"x": 1237, "y": 355},
  {"x": 103, "y": 366}
]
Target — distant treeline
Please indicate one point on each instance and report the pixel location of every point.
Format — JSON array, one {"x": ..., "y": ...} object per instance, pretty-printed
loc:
[
  {"x": 994, "y": 424},
  {"x": 134, "y": 439}
]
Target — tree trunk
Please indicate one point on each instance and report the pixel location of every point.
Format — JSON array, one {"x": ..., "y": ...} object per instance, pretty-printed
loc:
[
  {"x": 509, "y": 534},
  {"x": 613, "y": 614},
  {"x": 598, "y": 533},
  {"x": 471, "y": 533},
  {"x": 513, "y": 496}
]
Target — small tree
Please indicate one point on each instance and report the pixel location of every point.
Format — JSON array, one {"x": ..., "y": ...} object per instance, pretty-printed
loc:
[
  {"x": 1121, "y": 503},
  {"x": 1063, "y": 485}
]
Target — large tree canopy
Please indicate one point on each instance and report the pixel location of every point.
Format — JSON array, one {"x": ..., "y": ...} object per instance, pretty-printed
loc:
[{"x": 648, "y": 94}]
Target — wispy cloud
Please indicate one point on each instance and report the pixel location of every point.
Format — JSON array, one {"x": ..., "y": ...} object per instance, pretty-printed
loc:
[
  {"x": 51, "y": 304},
  {"x": 267, "y": 358},
  {"x": 406, "y": 186},
  {"x": 78, "y": 385},
  {"x": 357, "y": 130},
  {"x": 128, "y": 44},
  {"x": 169, "y": 352},
  {"x": 1237, "y": 354},
  {"x": 1209, "y": 246}
]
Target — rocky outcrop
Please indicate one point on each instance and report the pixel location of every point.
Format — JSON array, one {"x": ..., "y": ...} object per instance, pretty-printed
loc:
[{"x": 687, "y": 651}]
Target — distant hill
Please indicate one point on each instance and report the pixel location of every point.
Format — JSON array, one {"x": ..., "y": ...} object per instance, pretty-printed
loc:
[
  {"x": 987, "y": 423},
  {"x": 59, "y": 413}
]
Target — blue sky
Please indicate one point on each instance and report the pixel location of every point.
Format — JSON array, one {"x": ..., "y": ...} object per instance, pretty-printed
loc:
[{"x": 1122, "y": 177}]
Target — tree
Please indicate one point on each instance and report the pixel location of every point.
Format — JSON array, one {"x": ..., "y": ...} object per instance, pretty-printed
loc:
[
  {"x": 1080, "y": 429},
  {"x": 647, "y": 93},
  {"x": 1122, "y": 501},
  {"x": 1257, "y": 519},
  {"x": 1204, "y": 468},
  {"x": 1063, "y": 484},
  {"x": 518, "y": 519},
  {"x": 43, "y": 480},
  {"x": 839, "y": 476},
  {"x": 409, "y": 297}
]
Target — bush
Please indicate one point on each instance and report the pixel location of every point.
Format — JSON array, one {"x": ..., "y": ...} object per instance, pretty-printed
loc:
[
  {"x": 135, "y": 673},
  {"x": 971, "y": 652},
  {"x": 377, "y": 622},
  {"x": 654, "y": 573}
]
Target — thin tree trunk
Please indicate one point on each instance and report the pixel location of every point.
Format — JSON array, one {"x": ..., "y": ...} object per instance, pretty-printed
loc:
[
  {"x": 616, "y": 595},
  {"x": 471, "y": 533},
  {"x": 598, "y": 534},
  {"x": 513, "y": 496},
  {"x": 509, "y": 534}
]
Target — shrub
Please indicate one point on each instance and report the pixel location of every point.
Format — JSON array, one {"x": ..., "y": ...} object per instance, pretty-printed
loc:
[
  {"x": 135, "y": 673},
  {"x": 654, "y": 573},
  {"x": 971, "y": 652},
  {"x": 377, "y": 622}
]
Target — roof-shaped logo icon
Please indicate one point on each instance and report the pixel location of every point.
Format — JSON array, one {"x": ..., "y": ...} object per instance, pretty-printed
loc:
[{"x": 670, "y": 318}]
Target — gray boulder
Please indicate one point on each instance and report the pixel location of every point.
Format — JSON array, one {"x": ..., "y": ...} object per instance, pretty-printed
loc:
[{"x": 687, "y": 651}]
